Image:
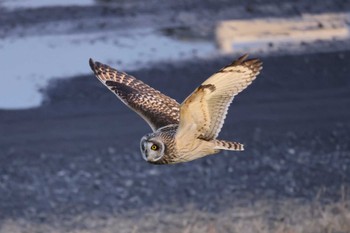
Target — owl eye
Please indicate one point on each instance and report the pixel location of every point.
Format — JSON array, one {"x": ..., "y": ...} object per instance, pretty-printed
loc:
[{"x": 154, "y": 147}]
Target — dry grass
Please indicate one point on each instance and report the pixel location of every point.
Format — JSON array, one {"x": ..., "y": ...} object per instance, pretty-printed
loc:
[{"x": 287, "y": 216}]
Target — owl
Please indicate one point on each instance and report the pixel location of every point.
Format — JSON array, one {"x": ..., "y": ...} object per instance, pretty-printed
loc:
[{"x": 186, "y": 131}]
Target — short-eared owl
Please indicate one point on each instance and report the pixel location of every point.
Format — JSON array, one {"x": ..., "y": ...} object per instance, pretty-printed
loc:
[{"x": 187, "y": 131}]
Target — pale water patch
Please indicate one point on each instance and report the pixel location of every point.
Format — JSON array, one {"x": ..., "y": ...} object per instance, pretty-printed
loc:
[
  {"x": 14, "y": 4},
  {"x": 28, "y": 63}
]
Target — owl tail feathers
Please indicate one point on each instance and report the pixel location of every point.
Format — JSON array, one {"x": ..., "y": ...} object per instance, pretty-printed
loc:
[{"x": 225, "y": 145}]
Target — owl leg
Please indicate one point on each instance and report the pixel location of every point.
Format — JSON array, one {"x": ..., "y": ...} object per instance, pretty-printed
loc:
[{"x": 225, "y": 145}]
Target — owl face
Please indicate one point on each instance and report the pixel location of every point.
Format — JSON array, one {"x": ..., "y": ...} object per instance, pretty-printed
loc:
[{"x": 152, "y": 149}]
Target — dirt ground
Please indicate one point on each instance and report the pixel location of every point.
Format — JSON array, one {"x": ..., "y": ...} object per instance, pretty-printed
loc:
[
  {"x": 78, "y": 156},
  {"x": 73, "y": 164}
]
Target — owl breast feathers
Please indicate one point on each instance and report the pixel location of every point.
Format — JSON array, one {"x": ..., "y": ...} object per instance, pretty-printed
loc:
[{"x": 187, "y": 131}]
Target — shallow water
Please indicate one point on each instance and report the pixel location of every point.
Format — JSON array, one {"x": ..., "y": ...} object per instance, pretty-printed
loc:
[
  {"x": 32, "y": 55},
  {"x": 39, "y": 59},
  {"x": 14, "y": 4}
]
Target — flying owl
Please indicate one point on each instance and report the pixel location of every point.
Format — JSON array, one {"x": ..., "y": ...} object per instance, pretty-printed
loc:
[{"x": 187, "y": 131}]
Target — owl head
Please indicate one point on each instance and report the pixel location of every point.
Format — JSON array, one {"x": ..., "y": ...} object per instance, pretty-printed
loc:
[{"x": 152, "y": 148}]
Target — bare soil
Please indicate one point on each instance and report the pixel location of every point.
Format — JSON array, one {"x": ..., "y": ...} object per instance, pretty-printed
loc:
[{"x": 73, "y": 164}]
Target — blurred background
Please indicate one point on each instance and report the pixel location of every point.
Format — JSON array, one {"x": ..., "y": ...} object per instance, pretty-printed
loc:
[{"x": 69, "y": 149}]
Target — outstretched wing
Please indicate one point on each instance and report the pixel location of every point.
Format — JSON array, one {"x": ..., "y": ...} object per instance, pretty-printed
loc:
[
  {"x": 204, "y": 111},
  {"x": 155, "y": 108}
]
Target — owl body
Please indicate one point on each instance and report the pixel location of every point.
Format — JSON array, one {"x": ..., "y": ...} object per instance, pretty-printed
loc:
[
  {"x": 187, "y": 131},
  {"x": 172, "y": 152}
]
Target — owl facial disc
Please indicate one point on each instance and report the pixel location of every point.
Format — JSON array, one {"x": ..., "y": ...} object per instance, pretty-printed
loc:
[{"x": 152, "y": 150}]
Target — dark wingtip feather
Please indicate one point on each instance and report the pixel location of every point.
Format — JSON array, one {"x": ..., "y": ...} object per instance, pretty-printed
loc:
[
  {"x": 92, "y": 64},
  {"x": 242, "y": 58},
  {"x": 253, "y": 63}
]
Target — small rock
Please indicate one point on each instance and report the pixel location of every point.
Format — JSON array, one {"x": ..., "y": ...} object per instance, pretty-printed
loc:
[
  {"x": 291, "y": 151},
  {"x": 111, "y": 150},
  {"x": 98, "y": 160},
  {"x": 129, "y": 183},
  {"x": 61, "y": 173},
  {"x": 153, "y": 172}
]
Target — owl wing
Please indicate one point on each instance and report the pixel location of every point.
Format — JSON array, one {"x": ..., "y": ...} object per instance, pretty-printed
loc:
[
  {"x": 204, "y": 111},
  {"x": 155, "y": 108}
]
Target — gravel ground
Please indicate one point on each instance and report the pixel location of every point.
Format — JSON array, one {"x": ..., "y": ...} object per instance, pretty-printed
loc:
[
  {"x": 73, "y": 164},
  {"x": 78, "y": 154}
]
